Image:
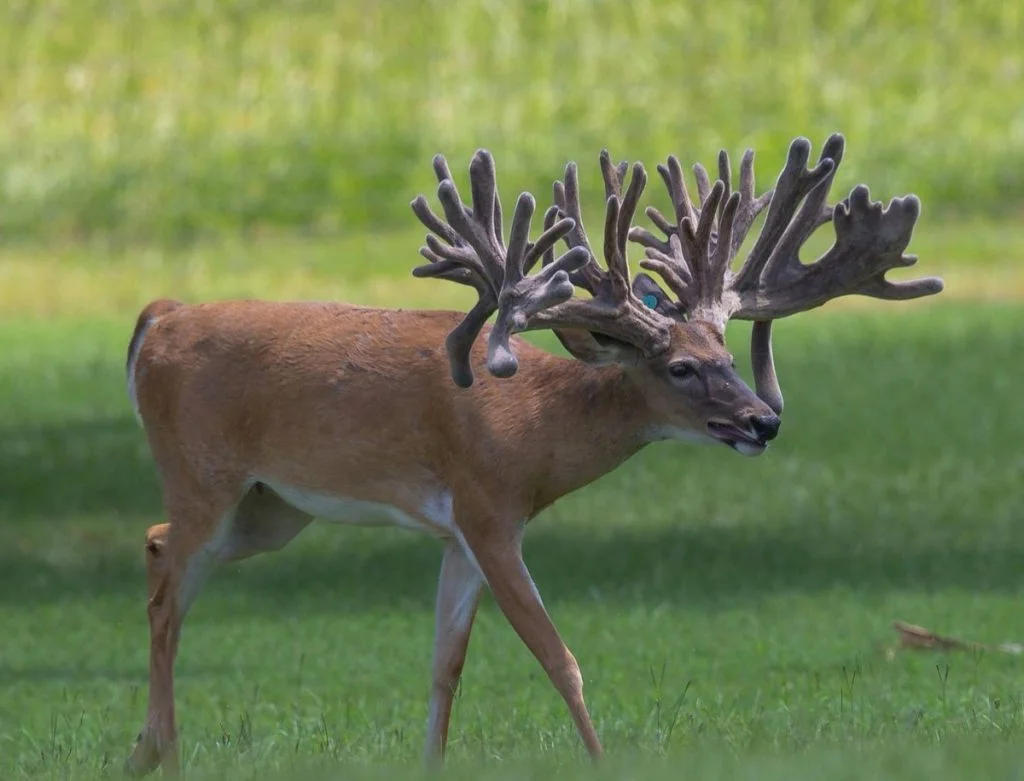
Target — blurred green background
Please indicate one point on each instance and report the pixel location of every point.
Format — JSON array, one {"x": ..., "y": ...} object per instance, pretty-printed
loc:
[
  {"x": 727, "y": 613},
  {"x": 175, "y": 118}
]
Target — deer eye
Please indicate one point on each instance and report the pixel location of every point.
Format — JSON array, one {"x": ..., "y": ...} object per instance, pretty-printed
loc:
[{"x": 681, "y": 370}]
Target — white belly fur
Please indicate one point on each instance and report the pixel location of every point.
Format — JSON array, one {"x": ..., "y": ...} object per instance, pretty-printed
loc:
[{"x": 436, "y": 513}]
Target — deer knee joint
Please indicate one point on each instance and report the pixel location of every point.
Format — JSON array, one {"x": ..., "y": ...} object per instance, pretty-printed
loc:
[
  {"x": 567, "y": 677},
  {"x": 156, "y": 540}
]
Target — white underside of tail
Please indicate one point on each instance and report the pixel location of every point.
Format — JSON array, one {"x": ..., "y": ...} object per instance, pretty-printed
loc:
[{"x": 132, "y": 362}]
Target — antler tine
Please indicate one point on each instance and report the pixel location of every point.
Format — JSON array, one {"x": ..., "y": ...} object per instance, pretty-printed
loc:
[
  {"x": 474, "y": 254},
  {"x": 498, "y": 228},
  {"x": 673, "y": 268},
  {"x": 673, "y": 176},
  {"x": 486, "y": 202},
  {"x": 612, "y": 174},
  {"x": 619, "y": 213},
  {"x": 697, "y": 242},
  {"x": 479, "y": 223},
  {"x": 784, "y": 256},
  {"x": 441, "y": 170},
  {"x": 617, "y": 226},
  {"x": 567, "y": 200},
  {"x": 700, "y": 174},
  {"x": 614, "y": 309},
  {"x": 426, "y": 215},
  {"x": 870, "y": 241},
  {"x": 750, "y": 205},
  {"x": 521, "y": 298},
  {"x": 550, "y": 217},
  {"x": 682, "y": 206},
  {"x": 725, "y": 171},
  {"x": 718, "y": 267},
  {"x": 450, "y": 262},
  {"x": 725, "y": 177},
  {"x": 690, "y": 261},
  {"x": 794, "y": 183},
  {"x": 626, "y": 213},
  {"x": 766, "y": 381}
]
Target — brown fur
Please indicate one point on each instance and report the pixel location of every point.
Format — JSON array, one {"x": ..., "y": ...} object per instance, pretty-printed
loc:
[
  {"x": 358, "y": 403},
  {"x": 150, "y": 312}
]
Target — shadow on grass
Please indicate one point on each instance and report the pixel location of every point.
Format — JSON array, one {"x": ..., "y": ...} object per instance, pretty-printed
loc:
[
  {"x": 56, "y": 473},
  {"x": 41, "y": 672},
  {"x": 336, "y": 570}
]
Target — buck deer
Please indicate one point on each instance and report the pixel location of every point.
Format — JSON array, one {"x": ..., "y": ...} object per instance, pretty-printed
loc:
[{"x": 261, "y": 416}]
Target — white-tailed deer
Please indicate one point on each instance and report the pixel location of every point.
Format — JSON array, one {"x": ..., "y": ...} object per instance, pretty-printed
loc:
[{"x": 261, "y": 416}]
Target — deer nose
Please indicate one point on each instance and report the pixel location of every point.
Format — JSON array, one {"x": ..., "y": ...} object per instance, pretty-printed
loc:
[{"x": 765, "y": 427}]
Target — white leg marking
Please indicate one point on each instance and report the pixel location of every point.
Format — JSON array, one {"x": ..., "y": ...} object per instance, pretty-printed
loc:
[
  {"x": 439, "y": 510},
  {"x": 457, "y": 592},
  {"x": 202, "y": 563},
  {"x": 460, "y": 582}
]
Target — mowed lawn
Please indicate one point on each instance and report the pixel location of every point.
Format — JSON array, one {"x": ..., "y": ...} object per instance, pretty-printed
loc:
[{"x": 731, "y": 615}]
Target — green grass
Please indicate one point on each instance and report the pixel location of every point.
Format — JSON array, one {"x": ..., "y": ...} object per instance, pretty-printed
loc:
[
  {"x": 166, "y": 120},
  {"x": 980, "y": 261},
  {"x": 729, "y": 614}
]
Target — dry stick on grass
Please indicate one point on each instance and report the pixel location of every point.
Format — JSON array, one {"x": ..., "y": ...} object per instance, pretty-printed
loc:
[{"x": 913, "y": 637}]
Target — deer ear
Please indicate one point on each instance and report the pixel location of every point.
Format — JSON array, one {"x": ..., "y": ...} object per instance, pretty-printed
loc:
[
  {"x": 596, "y": 349},
  {"x": 650, "y": 292}
]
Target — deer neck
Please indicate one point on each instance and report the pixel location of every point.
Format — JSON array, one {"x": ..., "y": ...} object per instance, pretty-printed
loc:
[{"x": 587, "y": 421}]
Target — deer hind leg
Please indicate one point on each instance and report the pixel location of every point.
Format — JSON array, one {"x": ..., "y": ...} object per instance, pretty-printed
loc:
[
  {"x": 458, "y": 594},
  {"x": 180, "y": 555},
  {"x": 501, "y": 562},
  {"x": 146, "y": 754},
  {"x": 261, "y": 522}
]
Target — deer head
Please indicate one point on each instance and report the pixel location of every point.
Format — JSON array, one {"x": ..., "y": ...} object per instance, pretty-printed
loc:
[{"x": 672, "y": 349}]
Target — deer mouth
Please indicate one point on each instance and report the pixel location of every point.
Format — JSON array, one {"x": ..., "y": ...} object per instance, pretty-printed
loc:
[{"x": 740, "y": 440}]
